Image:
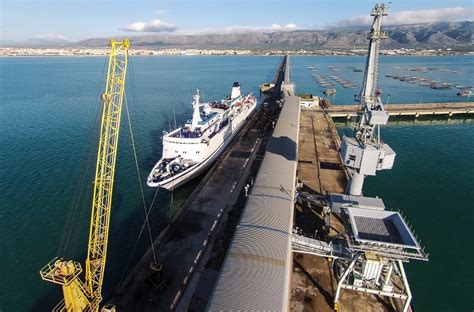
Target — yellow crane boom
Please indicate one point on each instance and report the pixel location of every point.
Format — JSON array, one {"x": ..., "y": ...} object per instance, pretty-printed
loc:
[{"x": 79, "y": 295}]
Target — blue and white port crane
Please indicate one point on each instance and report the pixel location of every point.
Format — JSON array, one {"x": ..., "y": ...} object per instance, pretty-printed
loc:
[{"x": 365, "y": 153}]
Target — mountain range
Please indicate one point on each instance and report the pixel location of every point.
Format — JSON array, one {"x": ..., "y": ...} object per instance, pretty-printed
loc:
[{"x": 455, "y": 35}]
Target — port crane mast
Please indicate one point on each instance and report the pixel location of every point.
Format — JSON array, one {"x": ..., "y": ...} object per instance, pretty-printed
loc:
[
  {"x": 86, "y": 295},
  {"x": 365, "y": 153}
]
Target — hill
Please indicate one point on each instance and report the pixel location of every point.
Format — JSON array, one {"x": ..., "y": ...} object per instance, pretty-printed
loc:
[{"x": 435, "y": 35}]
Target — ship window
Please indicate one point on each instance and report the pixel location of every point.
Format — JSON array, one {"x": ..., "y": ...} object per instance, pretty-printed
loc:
[{"x": 352, "y": 157}]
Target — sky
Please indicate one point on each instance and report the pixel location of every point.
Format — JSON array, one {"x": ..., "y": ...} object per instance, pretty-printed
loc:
[{"x": 72, "y": 20}]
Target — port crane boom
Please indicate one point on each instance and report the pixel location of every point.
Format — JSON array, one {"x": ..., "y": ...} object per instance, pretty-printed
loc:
[
  {"x": 86, "y": 295},
  {"x": 365, "y": 153}
]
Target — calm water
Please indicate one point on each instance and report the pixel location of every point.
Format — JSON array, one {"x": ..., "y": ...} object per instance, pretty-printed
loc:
[{"x": 48, "y": 123}]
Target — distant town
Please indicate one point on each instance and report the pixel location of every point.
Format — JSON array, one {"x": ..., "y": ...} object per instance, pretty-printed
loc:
[{"x": 17, "y": 51}]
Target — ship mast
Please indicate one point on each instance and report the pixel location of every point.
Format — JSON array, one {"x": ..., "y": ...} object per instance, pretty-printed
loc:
[{"x": 365, "y": 153}]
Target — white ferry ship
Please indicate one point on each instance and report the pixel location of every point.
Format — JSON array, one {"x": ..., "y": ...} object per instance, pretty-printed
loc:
[{"x": 191, "y": 149}]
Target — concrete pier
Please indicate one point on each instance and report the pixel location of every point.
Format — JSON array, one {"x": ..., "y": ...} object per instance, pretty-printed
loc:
[
  {"x": 192, "y": 248},
  {"x": 255, "y": 275}
]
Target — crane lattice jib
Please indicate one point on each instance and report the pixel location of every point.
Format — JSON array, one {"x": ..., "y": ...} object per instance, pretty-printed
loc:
[
  {"x": 371, "y": 66},
  {"x": 106, "y": 157},
  {"x": 79, "y": 295},
  {"x": 364, "y": 130}
]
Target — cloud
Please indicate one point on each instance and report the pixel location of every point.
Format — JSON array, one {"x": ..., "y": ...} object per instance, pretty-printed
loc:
[
  {"x": 239, "y": 29},
  {"x": 289, "y": 26},
  {"x": 155, "y": 25},
  {"x": 414, "y": 17}
]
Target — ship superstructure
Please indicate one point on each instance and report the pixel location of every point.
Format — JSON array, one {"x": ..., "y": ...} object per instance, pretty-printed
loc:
[{"x": 192, "y": 148}]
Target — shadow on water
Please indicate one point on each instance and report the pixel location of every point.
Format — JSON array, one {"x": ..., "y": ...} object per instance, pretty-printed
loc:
[
  {"x": 49, "y": 300},
  {"x": 283, "y": 146}
]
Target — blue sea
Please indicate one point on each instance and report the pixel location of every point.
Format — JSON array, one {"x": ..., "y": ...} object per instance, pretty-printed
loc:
[{"x": 49, "y": 117}]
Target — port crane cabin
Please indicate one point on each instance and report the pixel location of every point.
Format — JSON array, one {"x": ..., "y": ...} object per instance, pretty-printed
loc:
[{"x": 86, "y": 295}]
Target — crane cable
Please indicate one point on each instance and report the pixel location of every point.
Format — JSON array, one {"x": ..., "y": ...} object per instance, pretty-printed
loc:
[
  {"x": 147, "y": 220},
  {"x": 147, "y": 212},
  {"x": 132, "y": 253}
]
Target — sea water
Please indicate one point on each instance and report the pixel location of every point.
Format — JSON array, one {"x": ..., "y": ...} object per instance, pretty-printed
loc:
[{"x": 49, "y": 118}]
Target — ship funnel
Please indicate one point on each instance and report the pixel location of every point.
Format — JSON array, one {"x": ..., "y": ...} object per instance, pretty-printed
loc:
[{"x": 235, "y": 90}]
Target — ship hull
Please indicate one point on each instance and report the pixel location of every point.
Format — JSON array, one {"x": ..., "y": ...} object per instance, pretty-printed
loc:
[{"x": 228, "y": 134}]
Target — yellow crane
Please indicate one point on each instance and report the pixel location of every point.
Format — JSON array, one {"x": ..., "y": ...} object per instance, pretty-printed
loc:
[{"x": 86, "y": 295}]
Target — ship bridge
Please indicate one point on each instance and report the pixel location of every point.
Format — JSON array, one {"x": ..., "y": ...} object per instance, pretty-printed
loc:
[{"x": 205, "y": 119}]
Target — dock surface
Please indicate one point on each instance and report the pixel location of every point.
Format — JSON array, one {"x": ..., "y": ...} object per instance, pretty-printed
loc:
[
  {"x": 319, "y": 165},
  {"x": 313, "y": 283}
]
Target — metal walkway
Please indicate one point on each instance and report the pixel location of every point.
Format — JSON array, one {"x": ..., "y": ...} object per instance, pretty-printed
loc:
[
  {"x": 416, "y": 110},
  {"x": 303, "y": 244}
]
